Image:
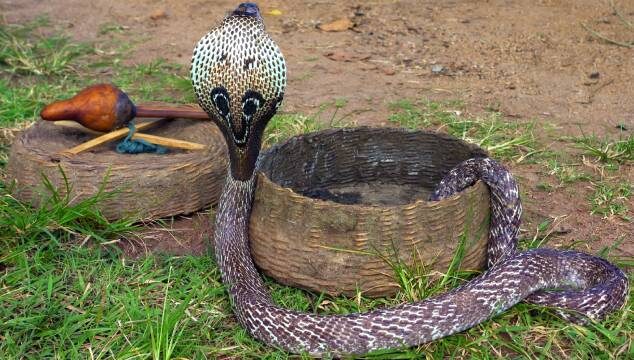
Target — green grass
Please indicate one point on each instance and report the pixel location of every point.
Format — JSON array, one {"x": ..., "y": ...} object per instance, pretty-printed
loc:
[
  {"x": 157, "y": 80},
  {"x": 284, "y": 126},
  {"x": 566, "y": 173},
  {"x": 64, "y": 300},
  {"x": 541, "y": 236},
  {"x": 501, "y": 137},
  {"x": 607, "y": 151},
  {"x": 612, "y": 199},
  {"x": 111, "y": 28},
  {"x": 30, "y": 62},
  {"x": 22, "y": 102},
  {"x": 604, "y": 158},
  {"x": 56, "y": 217},
  {"x": 66, "y": 291},
  {"x": 25, "y": 51}
]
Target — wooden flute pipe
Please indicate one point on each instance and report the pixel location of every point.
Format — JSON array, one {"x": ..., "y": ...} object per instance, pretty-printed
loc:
[
  {"x": 185, "y": 112},
  {"x": 104, "y": 107}
]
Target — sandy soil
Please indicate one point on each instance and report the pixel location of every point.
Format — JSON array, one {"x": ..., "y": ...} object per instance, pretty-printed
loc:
[{"x": 530, "y": 60}]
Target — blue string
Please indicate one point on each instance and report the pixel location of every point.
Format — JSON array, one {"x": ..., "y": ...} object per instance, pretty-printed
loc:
[{"x": 138, "y": 146}]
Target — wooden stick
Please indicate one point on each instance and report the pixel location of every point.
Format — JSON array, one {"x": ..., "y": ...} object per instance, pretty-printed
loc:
[
  {"x": 159, "y": 140},
  {"x": 607, "y": 39},
  {"x": 169, "y": 142},
  {"x": 113, "y": 135},
  {"x": 174, "y": 111}
]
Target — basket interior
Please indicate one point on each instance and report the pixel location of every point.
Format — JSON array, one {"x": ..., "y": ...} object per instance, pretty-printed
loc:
[{"x": 369, "y": 166}]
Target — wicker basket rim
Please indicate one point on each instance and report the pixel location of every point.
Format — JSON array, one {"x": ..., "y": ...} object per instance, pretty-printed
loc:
[{"x": 478, "y": 186}]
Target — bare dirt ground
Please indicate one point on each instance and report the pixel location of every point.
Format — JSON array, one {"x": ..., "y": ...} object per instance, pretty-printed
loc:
[{"x": 529, "y": 59}]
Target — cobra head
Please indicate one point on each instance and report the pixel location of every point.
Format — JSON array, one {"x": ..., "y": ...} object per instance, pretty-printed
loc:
[{"x": 239, "y": 77}]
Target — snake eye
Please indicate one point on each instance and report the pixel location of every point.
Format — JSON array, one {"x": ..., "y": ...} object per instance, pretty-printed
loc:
[
  {"x": 220, "y": 98},
  {"x": 250, "y": 106},
  {"x": 251, "y": 102}
]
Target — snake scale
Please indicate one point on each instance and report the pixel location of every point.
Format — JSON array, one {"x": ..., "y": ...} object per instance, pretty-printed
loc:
[{"x": 239, "y": 76}]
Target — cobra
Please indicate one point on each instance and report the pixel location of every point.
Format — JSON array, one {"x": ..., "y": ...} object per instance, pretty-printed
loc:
[{"x": 239, "y": 76}]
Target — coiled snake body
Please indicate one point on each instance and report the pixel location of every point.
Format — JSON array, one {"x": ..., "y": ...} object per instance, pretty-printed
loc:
[{"x": 239, "y": 76}]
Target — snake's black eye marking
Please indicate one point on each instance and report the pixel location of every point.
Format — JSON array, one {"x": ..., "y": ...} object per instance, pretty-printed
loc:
[
  {"x": 251, "y": 102},
  {"x": 220, "y": 97},
  {"x": 250, "y": 107}
]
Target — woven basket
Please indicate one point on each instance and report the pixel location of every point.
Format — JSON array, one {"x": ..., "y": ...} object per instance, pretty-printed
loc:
[
  {"x": 146, "y": 185},
  {"x": 338, "y": 248}
]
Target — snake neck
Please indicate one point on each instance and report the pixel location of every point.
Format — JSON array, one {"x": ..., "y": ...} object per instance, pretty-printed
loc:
[{"x": 231, "y": 239}]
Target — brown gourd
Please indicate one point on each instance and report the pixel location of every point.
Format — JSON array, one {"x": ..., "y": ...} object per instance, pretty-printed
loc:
[{"x": 104, "y": 107}]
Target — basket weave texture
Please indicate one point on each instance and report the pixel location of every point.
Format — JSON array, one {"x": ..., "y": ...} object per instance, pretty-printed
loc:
[
  {"x": 340, "y": 249},
  {"x": 147, "y": 185}
]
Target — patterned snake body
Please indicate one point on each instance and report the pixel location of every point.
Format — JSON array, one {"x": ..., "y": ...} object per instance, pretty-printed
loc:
[{"x": 239, "y": 76}]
